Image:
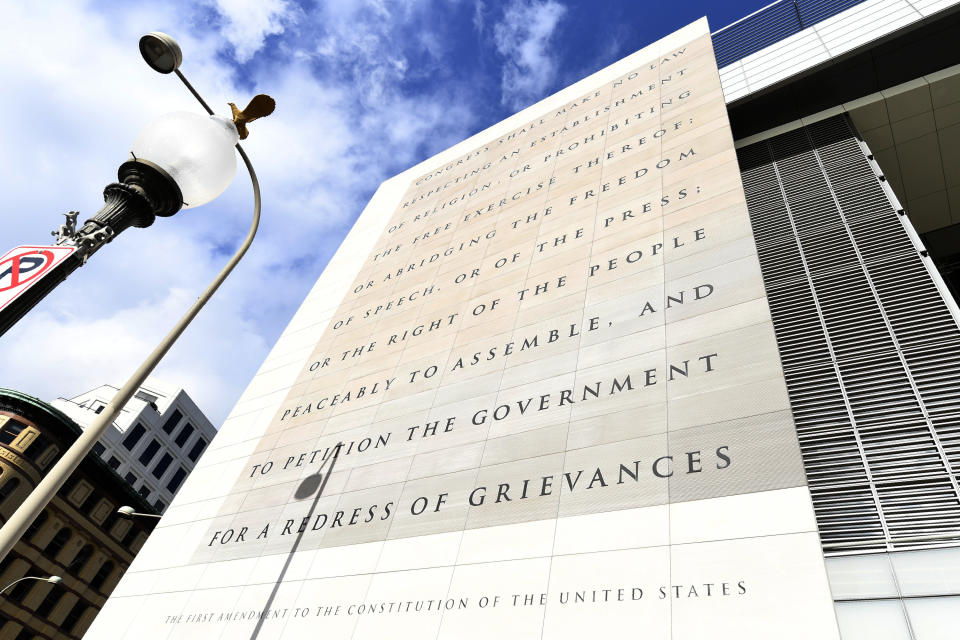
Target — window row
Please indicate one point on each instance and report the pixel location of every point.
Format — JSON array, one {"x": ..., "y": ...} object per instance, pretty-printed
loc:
[
  {"x": 54, "y": 594},
  {"x": 172, "y": 485},
  {"x": 158, "y": 470},
  {"x": 138, "y": 431},
  {"x": 93, "y": 505},
  {"x": 75, "y": 567},
  {"x": 37, "y": 443}
]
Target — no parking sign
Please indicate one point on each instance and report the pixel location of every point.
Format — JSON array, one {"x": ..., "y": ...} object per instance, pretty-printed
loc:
[{"x": 23, "y": 267}]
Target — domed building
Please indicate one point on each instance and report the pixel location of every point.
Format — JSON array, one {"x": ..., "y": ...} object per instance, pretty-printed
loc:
[{"x": 79, "y": 536}]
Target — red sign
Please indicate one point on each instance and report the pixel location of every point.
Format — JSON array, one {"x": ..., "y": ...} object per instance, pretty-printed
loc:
[{"x": 23, "y": 267}]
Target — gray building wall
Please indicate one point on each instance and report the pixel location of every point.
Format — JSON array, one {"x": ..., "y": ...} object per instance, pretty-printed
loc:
[{"x": 154, "y": 443}]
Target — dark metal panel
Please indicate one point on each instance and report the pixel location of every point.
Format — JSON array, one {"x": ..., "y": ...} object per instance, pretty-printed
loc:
[{"x": 870, "y": 350}]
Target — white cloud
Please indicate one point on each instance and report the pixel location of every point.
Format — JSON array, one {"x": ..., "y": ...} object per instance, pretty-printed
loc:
[
  {"x": 249, "y": 22},
  {"x": 478, "y": 19},
  {"x": 71, "y": 352},
  {"x": 78, "y": 93},
  {"x": 523, "y": 37}
]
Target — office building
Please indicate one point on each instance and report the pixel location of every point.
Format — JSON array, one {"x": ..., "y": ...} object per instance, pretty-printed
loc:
[{"x": 155, "y": 441}]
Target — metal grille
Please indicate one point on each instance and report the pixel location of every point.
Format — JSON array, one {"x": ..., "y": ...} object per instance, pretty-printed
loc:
[
  {"x": 870, "y": 350},
  {"x": 770, "y": 24}
]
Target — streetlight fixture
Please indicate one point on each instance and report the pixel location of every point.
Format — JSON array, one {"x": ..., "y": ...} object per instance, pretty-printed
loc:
[
  {"x": 50, "y": 579},
  {"x": 128, "y": 512},
  {"x": 179, "y": 160}
]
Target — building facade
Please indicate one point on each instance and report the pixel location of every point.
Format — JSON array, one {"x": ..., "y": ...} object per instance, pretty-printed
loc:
[
  {"x": 668, "y": 354},
  {"x": 78, "y": 536},
  {"x": 155, "y": 441}
]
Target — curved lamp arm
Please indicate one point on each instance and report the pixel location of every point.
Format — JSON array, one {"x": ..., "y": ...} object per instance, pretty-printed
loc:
[
  {"x": 27, "y": 512},
  {"x": 51, "y": 580}
]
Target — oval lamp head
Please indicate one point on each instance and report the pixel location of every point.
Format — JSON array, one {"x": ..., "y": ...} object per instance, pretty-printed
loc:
[
  {"x": 54, "y": 579},
  {"x": 126, "y": 511},
  {"x": 196, "y": 151},
  {"x": 161, "y": 52}
]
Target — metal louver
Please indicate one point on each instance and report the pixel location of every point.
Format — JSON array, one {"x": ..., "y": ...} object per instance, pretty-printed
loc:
[{"x": 870, "y": 350}]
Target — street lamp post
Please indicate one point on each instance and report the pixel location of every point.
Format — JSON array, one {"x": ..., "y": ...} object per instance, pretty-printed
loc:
[
  {"x": 180, "y": 160},
  {"x": 165, "y": 175},
  {"x": 143, "y": 192},
  {"x": 50, "y": 579}
]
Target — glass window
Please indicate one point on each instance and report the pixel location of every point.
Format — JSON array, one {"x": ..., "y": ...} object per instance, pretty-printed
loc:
[
  {"x": 177, "y": 478},
  {"x": 68, "y": 486},
  {"x": 73, "y": 617},
  {"x": 130, "y": 478},
  {"x": 35, "y": 526},
  {"x": 80, "y": 560},
  {"x": 11, "y": 429},
  {"x": 50, "y": 601},
  {"x": 37, "y": 447},
  {"x": 113, "y": 463},
  {"x": 150, "y": 451},
  {"x": 162, "y": 465},
  {"x": 102, "y": 574},
  {"x": 872, "y": 620},
  {"x": 112, "y": 517},
  {"x": 8, "y": 487},
  {"x": 184, "y": 434},
  {"x": 171, "y": 423},
  {"x": 144, "y": 491},
  {"x": 98, "y": 449},
  {"x": 159, "y": 505},
  {"x": 133, "y": 437},
  {"x": 21, "y": 589},
  {"x": 57, "y": 542},
  {"x": 128, "y": 539},
  {"x": 90, "y": 502},
  {"x": 197, "y": 449},
  {"x": 149, "y": 398},
  {"x": 100, "y": 408},
  {"x": 26, "y": 634}
]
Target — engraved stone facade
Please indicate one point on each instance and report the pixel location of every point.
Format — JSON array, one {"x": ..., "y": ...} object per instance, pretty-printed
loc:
[{"x": 536, "y": 394}]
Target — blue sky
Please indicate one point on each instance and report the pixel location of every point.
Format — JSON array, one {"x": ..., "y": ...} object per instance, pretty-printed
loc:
[{"x": 364, "y": 90}]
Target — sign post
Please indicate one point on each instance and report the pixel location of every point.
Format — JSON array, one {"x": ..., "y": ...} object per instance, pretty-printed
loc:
[{"x": 29, "y": 272}]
